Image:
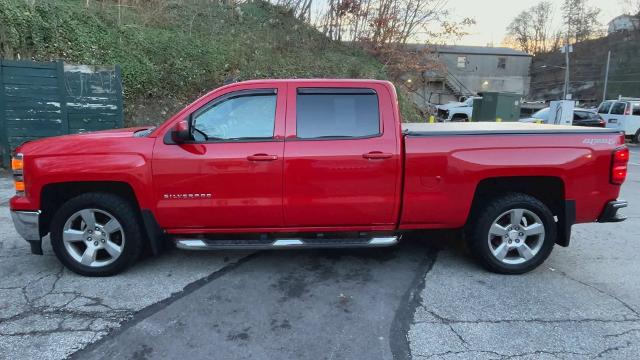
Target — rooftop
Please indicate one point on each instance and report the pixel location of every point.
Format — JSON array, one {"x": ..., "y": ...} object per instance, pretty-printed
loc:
[{"x": 474, "y": 50}]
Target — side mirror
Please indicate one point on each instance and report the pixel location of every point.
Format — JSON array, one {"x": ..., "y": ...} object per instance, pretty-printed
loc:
[{"x": 180, "y": 133}]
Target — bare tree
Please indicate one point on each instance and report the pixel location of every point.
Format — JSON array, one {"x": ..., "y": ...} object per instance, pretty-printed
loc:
[
  {"x": 383, "y": 22},
  {"x": 531, "y": 31},
  {"x": 520, "y": 32},
  {"x": 581, "y": 20},
  {"x": 631, "y": 7}
]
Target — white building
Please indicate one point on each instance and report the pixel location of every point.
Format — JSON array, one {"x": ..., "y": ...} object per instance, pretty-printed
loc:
[
  {"x": 624, "y": 23},
  {"x": 471, "y": 70}
]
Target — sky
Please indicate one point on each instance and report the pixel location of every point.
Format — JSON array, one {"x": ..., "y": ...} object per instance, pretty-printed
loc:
[{"x": 493, "y": 16}]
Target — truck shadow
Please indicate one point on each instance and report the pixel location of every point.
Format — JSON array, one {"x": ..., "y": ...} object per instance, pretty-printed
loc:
[{"x": 267, "y": 304}]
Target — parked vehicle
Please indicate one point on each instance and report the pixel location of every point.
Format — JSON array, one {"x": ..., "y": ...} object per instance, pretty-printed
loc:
[
  {"x": 624, "y": 115},
  {"x": 275, "y": 164},
  {"x": 456, "y": 111},
  {"x": 581, "y": 117}
]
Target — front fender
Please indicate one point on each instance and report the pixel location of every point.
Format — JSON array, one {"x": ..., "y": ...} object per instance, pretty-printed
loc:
[{"x": 130, "y": 168}]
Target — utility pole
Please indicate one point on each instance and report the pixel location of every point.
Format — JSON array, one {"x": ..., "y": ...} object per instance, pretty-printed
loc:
[
  {"x": 566, "y": 49},
  {"x": 606, "y": 77}
]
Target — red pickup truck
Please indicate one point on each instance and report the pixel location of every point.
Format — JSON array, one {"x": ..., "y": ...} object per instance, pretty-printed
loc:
[{"x": 274, "y": 164}]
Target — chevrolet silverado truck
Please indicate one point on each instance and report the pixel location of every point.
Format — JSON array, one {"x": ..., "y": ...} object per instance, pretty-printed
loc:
[{"x": 279, "y": 164}]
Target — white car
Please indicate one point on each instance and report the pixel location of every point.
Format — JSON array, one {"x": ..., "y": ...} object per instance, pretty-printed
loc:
[
  {"x": 623, "y": 114},
  {"x": 456, "y": 111}
]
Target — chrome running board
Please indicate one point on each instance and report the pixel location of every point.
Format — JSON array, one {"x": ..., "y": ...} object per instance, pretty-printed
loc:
[{"x": 293, "y": 243}]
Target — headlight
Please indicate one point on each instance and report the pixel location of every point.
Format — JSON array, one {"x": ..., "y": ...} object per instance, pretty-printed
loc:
[{"x": 17, "y": 166}]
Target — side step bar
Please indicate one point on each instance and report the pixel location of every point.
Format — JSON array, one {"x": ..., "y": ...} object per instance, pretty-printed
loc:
[{"x": 293, "y": 243}]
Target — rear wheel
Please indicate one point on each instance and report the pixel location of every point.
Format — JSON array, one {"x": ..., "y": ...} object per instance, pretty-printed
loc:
[
  {"x": 511, "y": 234},
  {"x": 636, "y": 137},
  {"x": 460, "y": 118},
  {"x": 96, "y": 234}
]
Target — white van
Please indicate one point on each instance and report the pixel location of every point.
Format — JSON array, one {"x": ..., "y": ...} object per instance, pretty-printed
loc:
[{"x": 623, "y": 114}]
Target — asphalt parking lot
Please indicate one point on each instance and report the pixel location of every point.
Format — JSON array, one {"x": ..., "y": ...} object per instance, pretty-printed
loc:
[{"x": 424, "y": 299}]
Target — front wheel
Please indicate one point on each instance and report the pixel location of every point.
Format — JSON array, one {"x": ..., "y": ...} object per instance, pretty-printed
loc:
[
  {"x": 511, "y": 234},
  {"x": 96, "y": 234}
]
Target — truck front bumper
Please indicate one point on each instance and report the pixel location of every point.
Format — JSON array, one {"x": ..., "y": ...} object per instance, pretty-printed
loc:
[
  {"x": 610, "y": 212},
  {"x": 27, "y": 225}
]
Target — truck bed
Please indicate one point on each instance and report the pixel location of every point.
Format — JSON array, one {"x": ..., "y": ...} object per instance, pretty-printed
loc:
[
  {"x": 490, "y": 128},
  {"x": 446, "y": 162}
]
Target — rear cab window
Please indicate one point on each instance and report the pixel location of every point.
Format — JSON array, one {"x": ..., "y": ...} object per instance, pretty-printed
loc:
[{"x": 337, "y": 113}]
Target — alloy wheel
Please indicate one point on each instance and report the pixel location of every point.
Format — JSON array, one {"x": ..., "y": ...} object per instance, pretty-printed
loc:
[
  {"x": 93, "y": 237},
  {"x": 516, "y": 236}
]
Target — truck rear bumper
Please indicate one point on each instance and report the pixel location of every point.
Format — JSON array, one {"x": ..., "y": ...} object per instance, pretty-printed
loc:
[
  {"x": 27, "y": 225},
  {"x": 610, "y": 212}
]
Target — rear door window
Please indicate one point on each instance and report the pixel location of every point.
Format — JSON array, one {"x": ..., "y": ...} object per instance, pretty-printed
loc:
[
  {"x": 604, "y": 107},
  {"x": 618, "y": 108},
  {"x": 323, "y": 113},
  {"x": 636, "y": 109}
]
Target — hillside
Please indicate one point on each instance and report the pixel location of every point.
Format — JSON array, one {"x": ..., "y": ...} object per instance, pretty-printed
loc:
[
  {"x": 171, "y": 52},
  {"x": 588, "y": 64}
]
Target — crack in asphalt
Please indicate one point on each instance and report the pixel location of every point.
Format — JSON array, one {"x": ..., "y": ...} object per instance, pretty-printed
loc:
[
  {"x": 623, "y": 303},
  {"x": 471, "y": 351},
  {"x": 501, "y": 356},
  {"x": 403, "y": 318},
  {"x": 514, "y": 321},
  {"x": 61, "y": 311}
]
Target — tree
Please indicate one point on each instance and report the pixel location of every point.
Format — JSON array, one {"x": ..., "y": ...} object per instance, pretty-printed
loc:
[
  {"x": 631, "y": 7},
  {"x": 384, "y": 22},
  {"x": 384, "y": 28},
  {"x": 580, "y": 20},
  {"x": 531, "y": 31}
]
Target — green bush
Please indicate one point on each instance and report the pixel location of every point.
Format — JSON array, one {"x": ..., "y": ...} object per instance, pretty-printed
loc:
[{"x": 180, "y": 52}]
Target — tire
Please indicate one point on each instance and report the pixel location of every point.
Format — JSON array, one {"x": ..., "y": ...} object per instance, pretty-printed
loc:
[
  {"x": 505, "y": 252},
  {"x": 113, "y": 247},
  {"x": 636, "y": 138},
  {"x": 459, "y": 118}
]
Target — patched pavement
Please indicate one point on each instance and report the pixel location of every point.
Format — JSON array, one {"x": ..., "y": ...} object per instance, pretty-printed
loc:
[
  {"x": 582, "y": 303},
  {"x": 48, "y": 312},
  {"x": 423, "y": 300}
]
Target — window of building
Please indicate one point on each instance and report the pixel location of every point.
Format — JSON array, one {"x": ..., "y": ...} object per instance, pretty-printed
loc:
[
  {"x": 462, "y": 62},
  {"x": 237, "y": 117},
  {"x": 339, "y": 113},
  {"x": 502, "y": 63}
]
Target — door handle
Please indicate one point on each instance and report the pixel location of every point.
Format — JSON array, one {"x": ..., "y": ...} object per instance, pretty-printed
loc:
[
  {"x": 377, "y": 155},
  {"x": 262, "y": 157}
]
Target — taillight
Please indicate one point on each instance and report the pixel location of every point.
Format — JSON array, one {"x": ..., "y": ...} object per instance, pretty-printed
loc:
[
  {"x": 17, "y": 167},
  {"x": 619, "y": 165}
]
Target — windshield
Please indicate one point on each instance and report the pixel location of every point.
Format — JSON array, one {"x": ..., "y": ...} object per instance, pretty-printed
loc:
[{"x": 541, "y": 114}]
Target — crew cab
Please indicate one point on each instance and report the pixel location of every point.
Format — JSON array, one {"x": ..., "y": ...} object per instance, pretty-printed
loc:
[{"x": 278, "y": 164}]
